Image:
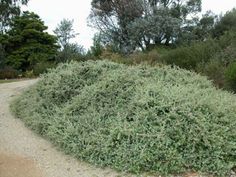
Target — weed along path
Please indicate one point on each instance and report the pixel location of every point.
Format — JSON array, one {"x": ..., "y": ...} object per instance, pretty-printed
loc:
[{"x": 24, "y": 154}]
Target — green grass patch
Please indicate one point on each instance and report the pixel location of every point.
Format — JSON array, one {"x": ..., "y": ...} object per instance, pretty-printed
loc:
[{"x": 138, "y": 119}]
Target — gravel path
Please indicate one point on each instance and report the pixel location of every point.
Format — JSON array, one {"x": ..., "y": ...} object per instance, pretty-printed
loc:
[{"x": 24, "y": 154}]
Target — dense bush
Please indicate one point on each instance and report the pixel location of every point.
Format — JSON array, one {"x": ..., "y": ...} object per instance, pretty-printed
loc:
[
  {"x": 152, "y": 57},
  {"x": 214, "y": 70},
  {"x": 230, "y": 76},
  {"x": 42, "y": 67},
  {"x": 135, "y": 119},
  {"x": 2, "y": 56},
  {"x": 71, "y": 52},
  {"x": 210, "y": 58},
  {"x": 189, "y": 57},
  {"x": 8, "y": 73}
]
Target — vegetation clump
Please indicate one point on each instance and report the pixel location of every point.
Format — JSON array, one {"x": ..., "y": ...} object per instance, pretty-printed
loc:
[{"x": 138, "y": 119}]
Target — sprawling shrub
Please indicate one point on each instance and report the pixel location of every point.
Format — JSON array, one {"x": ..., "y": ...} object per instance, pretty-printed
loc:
[{"x": 162, "y": 120}]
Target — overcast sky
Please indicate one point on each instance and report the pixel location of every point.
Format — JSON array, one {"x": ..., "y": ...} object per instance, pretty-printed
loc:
[{"x": 53, "y": 11}]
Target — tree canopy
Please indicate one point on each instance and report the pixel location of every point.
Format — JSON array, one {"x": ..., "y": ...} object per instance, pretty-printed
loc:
[
  {"x": 139, "y": 23},
  {"x": 27, "y": 43},
  {"x": 8, "y": 10},
  {"x": 225, "y": 23},
  {"x": 65, "y": 33}
]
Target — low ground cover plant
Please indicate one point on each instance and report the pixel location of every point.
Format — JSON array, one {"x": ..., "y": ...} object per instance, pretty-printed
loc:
[{"x": 161, "y": 120}]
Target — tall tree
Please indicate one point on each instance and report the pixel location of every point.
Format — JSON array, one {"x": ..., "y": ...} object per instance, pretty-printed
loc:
[
  {"x": 225, "y": 23},
  {"x": 198, "y": 29},
  {"x": 112, "y": 18},
  {"x": 8, "y": 10},
  {"x": 97, "y": 48},
  {"x": 27, "y": 43},
  {"x": 65, "y": 32},
  {"x": 155, "y": 28}
]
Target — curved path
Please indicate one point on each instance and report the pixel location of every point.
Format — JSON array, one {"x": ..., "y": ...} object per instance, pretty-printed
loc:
[{"x": 24, "y": 154}]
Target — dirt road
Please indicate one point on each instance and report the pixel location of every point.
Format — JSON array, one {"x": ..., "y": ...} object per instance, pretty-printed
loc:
[{"x": 24, "y": 154}]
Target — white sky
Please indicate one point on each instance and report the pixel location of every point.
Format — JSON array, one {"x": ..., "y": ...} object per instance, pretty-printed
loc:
[{"x": 53, "y": 11}]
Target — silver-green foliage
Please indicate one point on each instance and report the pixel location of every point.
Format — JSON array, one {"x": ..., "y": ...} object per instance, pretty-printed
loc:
[{"x": 162, "y": 120}]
